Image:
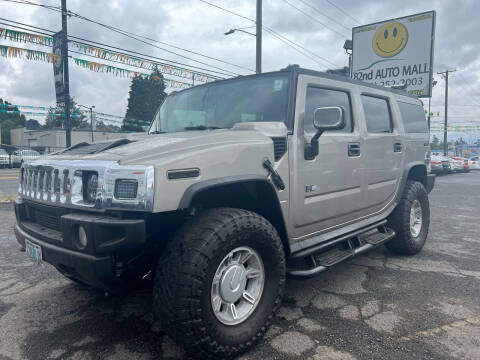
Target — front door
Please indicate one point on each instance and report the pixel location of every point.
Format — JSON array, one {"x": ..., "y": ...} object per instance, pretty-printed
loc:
[{"x": 326, "y": 192}]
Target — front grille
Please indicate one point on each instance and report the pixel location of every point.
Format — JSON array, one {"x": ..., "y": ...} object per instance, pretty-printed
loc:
[
  {"x": 51, "y": 221},
  {"x": 279, "y": 147}
]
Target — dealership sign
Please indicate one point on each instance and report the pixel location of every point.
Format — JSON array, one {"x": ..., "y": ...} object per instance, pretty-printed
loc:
[{"x": 396, "y": 52}]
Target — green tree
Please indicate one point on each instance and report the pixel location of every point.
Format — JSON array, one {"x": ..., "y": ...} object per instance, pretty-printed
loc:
[
  {"x": 56, "y": 116},
  {"x": 435, "y": 144},
  {"x": 10, "y": 118},
  {"x": 145, "y": 96}
]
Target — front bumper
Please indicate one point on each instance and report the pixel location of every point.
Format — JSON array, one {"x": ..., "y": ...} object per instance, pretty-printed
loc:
[
  {"x": 430, "y": 182},
  {"x": 114, "y": 253}
]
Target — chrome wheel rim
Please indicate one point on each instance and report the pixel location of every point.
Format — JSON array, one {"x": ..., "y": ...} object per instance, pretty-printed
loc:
[
  {"x": 237, "y": 286},
  {"x": 416, "y": 218}
]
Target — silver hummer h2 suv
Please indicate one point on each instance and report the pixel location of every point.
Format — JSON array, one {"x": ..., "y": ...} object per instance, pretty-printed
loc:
[{"x": 237, "y": 184}]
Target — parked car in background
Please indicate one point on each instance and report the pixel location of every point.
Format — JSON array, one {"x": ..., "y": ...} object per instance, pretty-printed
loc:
[
  {"x": 474, "y": 163},
  {"x": 436, "y": 166},
  {"x": 457, "y": 163},
  {"x": 4, "y": 159},
  {"x": 20, "y": 156},
  {"x": 464, "y": 162},
  {"x": 441, "y": 164}
]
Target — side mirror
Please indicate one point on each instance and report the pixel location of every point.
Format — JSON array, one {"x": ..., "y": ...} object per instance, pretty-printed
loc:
[
  {"x": 328, "y": 118},
  {"x": 324, "y": 119}
]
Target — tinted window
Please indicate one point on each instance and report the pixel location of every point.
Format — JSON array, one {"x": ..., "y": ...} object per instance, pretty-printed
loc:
[
  {"x": 377, "y": 114},
  {"x": 413, "y": 118},
  {"x": 318, "y": 97}
]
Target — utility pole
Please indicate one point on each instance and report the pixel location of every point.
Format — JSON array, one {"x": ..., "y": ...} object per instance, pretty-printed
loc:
[
  {"x": 445, "y": 144},
  {"x": 258, "y": 67},
  {"x": 68, "y": 124},
  {"x": 429, "y": 117},
  {"x": 91, "y": 121}
]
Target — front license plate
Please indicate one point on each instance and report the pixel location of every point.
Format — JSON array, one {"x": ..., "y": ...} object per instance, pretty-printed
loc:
[{"x": 34, "y": 252}]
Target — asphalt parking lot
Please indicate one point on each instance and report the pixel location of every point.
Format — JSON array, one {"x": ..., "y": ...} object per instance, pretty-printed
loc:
[{"x": 377, "y": 306}]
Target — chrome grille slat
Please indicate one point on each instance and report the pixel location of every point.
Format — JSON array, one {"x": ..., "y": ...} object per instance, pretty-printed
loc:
[{"x": 53, "y": 181}]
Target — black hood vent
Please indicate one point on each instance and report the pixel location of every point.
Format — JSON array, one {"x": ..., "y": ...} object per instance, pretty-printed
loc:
[
  {"x": 85, "y": 148},
  {"x": 279, "y": 147}
]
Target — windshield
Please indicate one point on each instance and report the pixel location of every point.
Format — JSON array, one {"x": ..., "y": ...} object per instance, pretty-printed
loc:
[
  {"x": 223, "y": 104},
  {"x": 3, "y": 152}
]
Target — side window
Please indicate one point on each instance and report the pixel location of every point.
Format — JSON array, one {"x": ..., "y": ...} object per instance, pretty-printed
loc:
[
  {"x": 377, "y": 114},
  {"x": 320, "y": 97},
  {"x": 413, "y": 118}
]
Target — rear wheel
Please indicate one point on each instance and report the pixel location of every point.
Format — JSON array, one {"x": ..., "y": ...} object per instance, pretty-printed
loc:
[
  {"x": 410, "y": 220},
  {"x": 219, "y": 282}
]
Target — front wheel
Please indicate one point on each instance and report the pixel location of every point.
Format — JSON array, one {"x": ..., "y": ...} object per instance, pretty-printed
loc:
[
  {"x": 410, "y": 220},
  {"x": 219, "y": 282}
]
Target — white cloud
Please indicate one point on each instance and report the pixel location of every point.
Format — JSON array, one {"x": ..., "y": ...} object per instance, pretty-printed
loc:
[{"x": 194, "y": 25}]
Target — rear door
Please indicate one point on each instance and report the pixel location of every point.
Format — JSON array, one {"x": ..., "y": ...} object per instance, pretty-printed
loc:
[
  {"x": 326, "y": 191},
  {"x": 384, "y": 150}
]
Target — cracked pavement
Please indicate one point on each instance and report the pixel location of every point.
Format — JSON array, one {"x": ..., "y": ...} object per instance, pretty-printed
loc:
[{"x": 378, "y": 305}]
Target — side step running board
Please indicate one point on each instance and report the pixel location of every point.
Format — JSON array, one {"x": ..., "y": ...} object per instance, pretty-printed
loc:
[{"x": 322, "y": 261}]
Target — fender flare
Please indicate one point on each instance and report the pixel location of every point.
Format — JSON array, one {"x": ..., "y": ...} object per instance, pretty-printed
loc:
[
  {"x": 200, "y": 186},
  {"x": 403, "y": 182}
]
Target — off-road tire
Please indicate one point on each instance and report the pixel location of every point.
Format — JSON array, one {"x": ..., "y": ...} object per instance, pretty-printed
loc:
[
  {"x": 404, "y": 242},
  {"x": 184, "y": 274}
]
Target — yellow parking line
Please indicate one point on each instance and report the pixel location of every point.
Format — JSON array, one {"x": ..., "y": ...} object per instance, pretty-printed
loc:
[
  {"x": 8, "y": 177},
  {"x": 455, "y": 324}
]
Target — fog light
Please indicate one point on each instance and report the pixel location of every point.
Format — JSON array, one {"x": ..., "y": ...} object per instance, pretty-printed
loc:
[{"x": 82, "y": 238}]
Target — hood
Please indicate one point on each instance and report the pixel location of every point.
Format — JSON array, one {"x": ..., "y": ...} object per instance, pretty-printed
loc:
[{"x": 142, "y": 149}]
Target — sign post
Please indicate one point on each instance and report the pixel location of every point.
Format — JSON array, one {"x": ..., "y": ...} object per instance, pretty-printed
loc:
[{"x": 397, "y": 52}]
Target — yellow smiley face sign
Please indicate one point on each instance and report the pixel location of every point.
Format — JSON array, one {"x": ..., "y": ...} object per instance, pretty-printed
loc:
[{"x": 390, "y": 39}]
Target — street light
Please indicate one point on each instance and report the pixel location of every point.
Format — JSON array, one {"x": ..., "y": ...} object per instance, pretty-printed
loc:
[
  {"x": 258, "y": 35},
  {"x": 231, "y": 31},
  {"x": 91, "y": 117}
]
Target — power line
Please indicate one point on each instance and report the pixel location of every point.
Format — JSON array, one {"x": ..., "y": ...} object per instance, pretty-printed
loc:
[
  {"x": 155, "y": 46},
  {"x": 274, "y": 33},
  {"x": 34, "y": 27},
  {"x": 325, "y": 15},
  {"x": 135, "y": 36},
  {"x": 294, "y": 45},
  {"x": 98, "y": 44},
  {"x": 226, "y": 10},
  {"x": 102, "y": 45},
  {"x": 54, "y": 8},
  {"x": 344, "y": 12},
  {"x": 315, "y": 19}
]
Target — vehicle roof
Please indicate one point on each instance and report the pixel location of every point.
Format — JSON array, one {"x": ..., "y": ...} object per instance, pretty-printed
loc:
[{"x": 299, "y": 70}]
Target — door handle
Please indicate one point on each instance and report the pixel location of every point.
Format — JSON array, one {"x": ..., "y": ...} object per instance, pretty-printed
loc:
[
  {"x": 354, "y": 149},
  {"x": 397, "y": 147}
]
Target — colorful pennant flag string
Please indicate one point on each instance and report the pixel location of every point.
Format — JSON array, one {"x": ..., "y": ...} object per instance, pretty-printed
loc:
[
  {"x": 110, "y": 55},
  {"x": 141, "y": 63},
  {"x": 20, "y": 53},
  {"x": 122, "y": 72},
  {"x": 20, "y": 36}
]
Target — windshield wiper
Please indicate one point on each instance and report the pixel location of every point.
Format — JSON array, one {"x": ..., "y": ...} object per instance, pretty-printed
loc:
[
  {"x": 201, "y": 127},
  {"x": 157, "y": 132}
]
